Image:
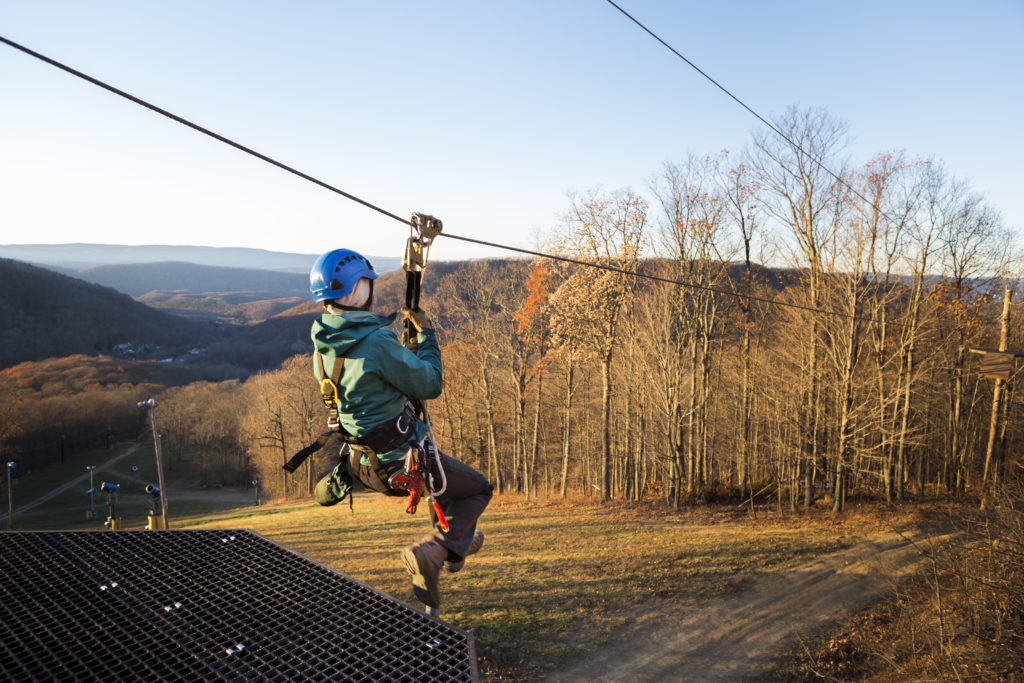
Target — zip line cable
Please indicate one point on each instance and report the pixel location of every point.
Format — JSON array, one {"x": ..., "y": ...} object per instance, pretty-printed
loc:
[
  {"x": 194, "y": 126},
  {"x": 743, "y": 104},
  {"x": 403, "y": 221},
  {"x": 656, "y": 278}
]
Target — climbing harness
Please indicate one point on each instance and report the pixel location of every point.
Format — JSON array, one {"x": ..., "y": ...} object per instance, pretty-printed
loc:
[
  {"x": 384, "y": 437},
  {"x": 415, "y": 477}
]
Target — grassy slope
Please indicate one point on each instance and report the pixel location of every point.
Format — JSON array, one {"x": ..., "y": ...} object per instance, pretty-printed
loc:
[
  {"x": 67, "y": 510},
  {"x": 554, "y": 579}
]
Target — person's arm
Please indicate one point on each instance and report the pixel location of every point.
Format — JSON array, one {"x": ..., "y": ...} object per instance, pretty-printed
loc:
[{"x": 414, "y": 374}]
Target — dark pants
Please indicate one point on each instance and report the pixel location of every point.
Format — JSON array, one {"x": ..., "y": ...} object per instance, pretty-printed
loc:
[{"x": 464, "y": 499}]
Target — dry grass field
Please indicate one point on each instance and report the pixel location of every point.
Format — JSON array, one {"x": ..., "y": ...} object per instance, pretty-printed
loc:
[
  {"x": 573, "y": 590},
  {"x": 558, "y": 580}
]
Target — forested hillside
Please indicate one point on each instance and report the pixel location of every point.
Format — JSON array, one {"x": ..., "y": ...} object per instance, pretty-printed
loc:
[
  {"x": 229, "y": 295},
  {"x": 58, "y": 406},
  {"x": 235, "y": 308},
  {"x": 55, "y": 408},
  {"x": 77, "y": 374},
  {"x": 48, "y": 314},
  {"x": 847, "y": 374}
]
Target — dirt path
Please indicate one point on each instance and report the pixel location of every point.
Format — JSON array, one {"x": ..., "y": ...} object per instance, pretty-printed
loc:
[
  {"x": 77, "y": 481},
  {"x": 735, "y": 638}
]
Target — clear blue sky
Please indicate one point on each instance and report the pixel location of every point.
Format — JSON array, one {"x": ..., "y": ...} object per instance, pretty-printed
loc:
[{"x": 485, "y": 114}]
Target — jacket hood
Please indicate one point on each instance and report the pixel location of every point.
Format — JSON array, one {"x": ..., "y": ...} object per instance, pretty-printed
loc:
[{"x": 335, "y": 334}]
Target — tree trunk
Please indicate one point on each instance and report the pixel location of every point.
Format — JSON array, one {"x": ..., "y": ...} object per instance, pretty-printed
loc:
[
  {"x": 997, "y": 395},
  {"x": 567, "y": 422},
  {"x": 606, "y": 425},
  {"x": 904, "y": 419},
  {"x": 744, "y": 451},
  {"x": 529, "y": 476},
  {"x": 842, "y": 456},
  {"x": 691, "y": 446},
  {"x": 492, "y": 446}
]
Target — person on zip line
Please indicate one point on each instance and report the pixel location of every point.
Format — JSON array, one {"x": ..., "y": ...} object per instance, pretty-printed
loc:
[{"x": 378, "y": 384}]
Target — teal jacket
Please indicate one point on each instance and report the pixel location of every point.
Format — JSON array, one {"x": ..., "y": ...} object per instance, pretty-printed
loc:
[{"x": 379, "y": 373}]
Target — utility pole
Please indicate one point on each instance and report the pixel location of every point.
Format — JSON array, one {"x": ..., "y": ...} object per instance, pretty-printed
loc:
[
  {"x": 151, "y": 405},
  {"x": 10, "y": 495},
  {"x": 997, "y": 396},
  {"x": 92, "y": 487}
]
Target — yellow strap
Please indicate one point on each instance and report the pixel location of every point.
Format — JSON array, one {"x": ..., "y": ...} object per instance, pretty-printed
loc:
[{"x": 329, "y": 385}]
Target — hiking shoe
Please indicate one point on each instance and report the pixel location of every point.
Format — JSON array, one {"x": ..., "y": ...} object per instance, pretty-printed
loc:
[
  {"x": 474, "y": 547},
  {"x": 423, "y": 562}
]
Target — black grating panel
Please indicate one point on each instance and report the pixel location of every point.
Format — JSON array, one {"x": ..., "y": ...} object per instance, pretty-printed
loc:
[{"x": 181, "y": 605}]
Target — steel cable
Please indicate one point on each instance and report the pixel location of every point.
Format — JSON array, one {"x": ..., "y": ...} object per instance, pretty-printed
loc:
[
  {"x": 743, "y": 104},
  {"x": 404, "y": 221}
]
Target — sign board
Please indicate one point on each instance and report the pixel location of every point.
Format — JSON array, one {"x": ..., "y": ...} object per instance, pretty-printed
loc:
[{"x": 997, "y": 365}]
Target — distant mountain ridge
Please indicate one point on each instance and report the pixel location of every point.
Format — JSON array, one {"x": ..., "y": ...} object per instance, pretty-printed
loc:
[
  {"x": 233, "y": 285},
  {"x": 138, "y": 279},
  {"x": 84, "y": 255}
]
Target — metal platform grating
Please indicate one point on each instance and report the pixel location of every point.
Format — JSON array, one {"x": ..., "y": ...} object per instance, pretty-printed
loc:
[{"x": 182, "y": 605}]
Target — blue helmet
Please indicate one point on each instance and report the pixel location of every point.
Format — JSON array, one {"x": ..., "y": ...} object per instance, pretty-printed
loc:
[{"x": 335, "y": 274}]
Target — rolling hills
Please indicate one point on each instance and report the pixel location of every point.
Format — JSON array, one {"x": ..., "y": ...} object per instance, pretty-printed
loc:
[
  {"x": 138, "y": 279},
  {"x": 80, "y": 255},
  {"x": 239, "y": 286},
  {"x": 50, "y": 315}
]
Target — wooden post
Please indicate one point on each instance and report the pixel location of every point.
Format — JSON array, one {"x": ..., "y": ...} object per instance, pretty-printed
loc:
[{"x": 997, "y": 396}]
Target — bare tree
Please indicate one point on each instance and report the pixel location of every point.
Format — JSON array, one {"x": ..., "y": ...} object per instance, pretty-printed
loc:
[
  {"x": 973, "y": 251},
  {"x": 740, "y": 190},
  {"x": 607, "y": 230},
  {"x": 478, "y": 303},
  {"x": 694, "y": 216},
  {"x": 664, "y": 366},
  {"x": 803, "y": 193}
]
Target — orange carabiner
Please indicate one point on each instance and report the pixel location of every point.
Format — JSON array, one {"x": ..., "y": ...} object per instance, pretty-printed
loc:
[
  {"x": 414, "y": 500},
  {"x": 441, "y": 521}
]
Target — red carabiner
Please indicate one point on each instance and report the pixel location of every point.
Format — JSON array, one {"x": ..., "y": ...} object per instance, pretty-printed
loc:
[{"x": 441, "y": 521}]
